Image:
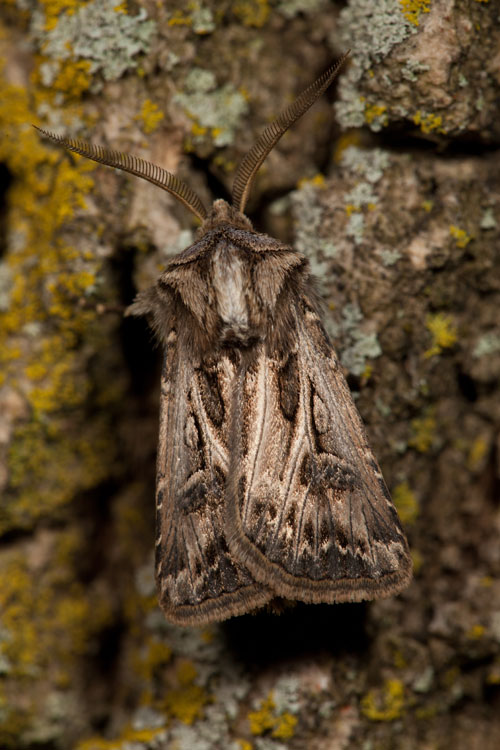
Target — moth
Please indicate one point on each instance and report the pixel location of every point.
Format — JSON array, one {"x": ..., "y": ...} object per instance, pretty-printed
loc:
[{"x": 266, "y": 485}]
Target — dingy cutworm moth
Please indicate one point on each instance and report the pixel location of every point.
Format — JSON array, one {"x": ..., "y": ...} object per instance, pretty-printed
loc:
[{"x": 266, "y": 485}]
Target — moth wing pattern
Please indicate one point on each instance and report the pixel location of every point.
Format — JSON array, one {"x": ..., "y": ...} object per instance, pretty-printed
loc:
[
  {"x": 308, "y": 509},
  {"x": 198, "y": 579}
]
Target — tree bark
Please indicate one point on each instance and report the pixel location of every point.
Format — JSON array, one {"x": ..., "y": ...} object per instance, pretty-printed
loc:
[{"x": 398, "y": 210}]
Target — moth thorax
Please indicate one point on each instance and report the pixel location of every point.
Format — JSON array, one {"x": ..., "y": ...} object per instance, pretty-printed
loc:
[{"x": 230, "y": 285}]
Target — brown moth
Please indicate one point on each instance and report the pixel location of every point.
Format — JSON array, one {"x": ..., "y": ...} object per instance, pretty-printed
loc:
[{"x": 266, "y": 485}]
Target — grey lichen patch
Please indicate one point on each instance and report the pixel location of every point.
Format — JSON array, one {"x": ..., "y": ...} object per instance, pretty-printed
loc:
[
  {"x": 369, "y": 164},
  {"x": 308, "y": 216},
  {"x": 291, "y": 8},
  {"x": 202, "y": 20},
  {"x": 99, "y": 33},
  {"x": 6, "y": 282},
  {"x": 370, "y": 167},
  {"x": 489, "y": 343},
  {"x": 488, "y": 220},
  {"x": 371, "y": 29},
  {"x": 412, "y": 68},
  {"x": 216, "y": 112},
  {"x": 389, "y": 257},
  {"x": 360, "y": 345}
]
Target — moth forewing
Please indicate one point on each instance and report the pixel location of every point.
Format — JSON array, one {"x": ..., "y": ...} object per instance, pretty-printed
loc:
[
  {"x": 198, "y": 579},
  {"x": 308, "y": 511}
]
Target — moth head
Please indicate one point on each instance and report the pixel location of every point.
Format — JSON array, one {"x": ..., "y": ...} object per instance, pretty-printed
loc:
[{"x": 221, "y": 211}]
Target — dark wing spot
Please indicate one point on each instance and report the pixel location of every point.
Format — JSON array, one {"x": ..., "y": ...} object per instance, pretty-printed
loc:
[
  {"x": 289, "y": 387},
  {"x": 271, "y": 511},
  {"x": 211, "y": 553},
  {"x": 193, "y": 497},
  {"x": 325, "y": 532},
  {"x": 291, "y": 518},
  {"x": 341, "y": 539},
  {"x": 309, "y": 532},
  {"x": 211, "y": 395},
  {"x": 306, "y": 471}
]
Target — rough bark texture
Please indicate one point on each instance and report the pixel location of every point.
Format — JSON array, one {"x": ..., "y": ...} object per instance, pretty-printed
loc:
[{"x": 403, "y": 231}]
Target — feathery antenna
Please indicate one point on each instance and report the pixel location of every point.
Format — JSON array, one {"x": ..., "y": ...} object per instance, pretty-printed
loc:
[
  {"x": 135, "y": 165},
  {"x": 250, "y": 163}
]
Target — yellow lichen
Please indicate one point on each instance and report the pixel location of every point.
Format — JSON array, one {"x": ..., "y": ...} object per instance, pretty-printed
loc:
[
  {"x": 460, "y": 235},
  {"x": 154, "y": 655},
  {"x": 406, "y": 503},
  {"x": 49, "y": 460},
  {"x": 284, "y": 727},
  {"x": 386, "y": 704},
  {"x": 245, "y": 745},
  {"x": 54, "y": 9},
  {"x": 73, "y": 78},
  {"x": 345, "y": 141},
  {"x": 150, "y": 116},
  {"x": 476, "y": 632},
  {"x": 477, "y": 453},
  {"x": 125, "y": 740},
  {"x": 186, "y": 703},
  {"x": 317, "y": 181},
  {"x": 179, "y": 19},
  {"x": 251, "y": 12},
  {"x": 427, "y": 205},
  {"x": 375, "y": 112},
  {"x": 443, "y": 331},
  {"x": 411, "y": 9},
  {"x": 48, "y": 616},
  {"x": 424, "y": 429},
  {"x": 428, "y": 123},
  {"x": 265, "y": 720}
]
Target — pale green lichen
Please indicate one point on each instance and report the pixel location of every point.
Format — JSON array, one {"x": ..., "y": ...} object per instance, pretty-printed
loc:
[
  {"x": 107, "y": 40},
  {"x": 202, "y": 19},
  {"x": 390, "y": 257},
  {"x": 291, "y": 8},
  {"x": 358, "y": 346},
  {"x": 371, "y": 30},
  {"x": 308, "y": 216},
  {"x": 216, "y": 112},
  {"x": 488, "y": 343},
  {"x": 412, "y": 68},
  {"x": 488, "y": 220},
  {"x": 369, "y": 164}
]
